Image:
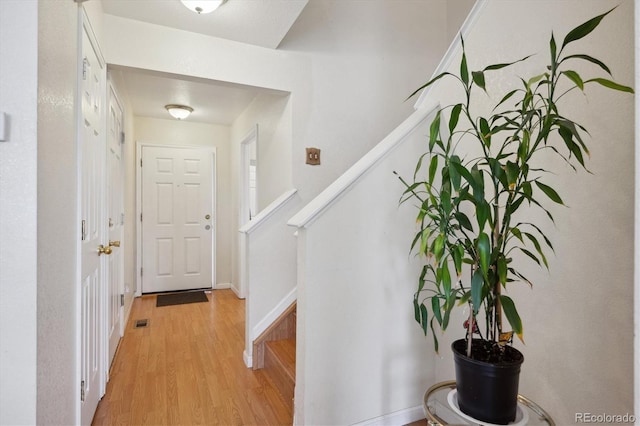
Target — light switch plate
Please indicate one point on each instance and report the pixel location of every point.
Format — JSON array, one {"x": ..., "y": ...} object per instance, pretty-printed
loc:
[{"x": 313, "y": 156}]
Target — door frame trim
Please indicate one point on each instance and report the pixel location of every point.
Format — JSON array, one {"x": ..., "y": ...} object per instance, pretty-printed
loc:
[
  {"x": 250, "y": 137},
  {"x": 214, "y": 197}
]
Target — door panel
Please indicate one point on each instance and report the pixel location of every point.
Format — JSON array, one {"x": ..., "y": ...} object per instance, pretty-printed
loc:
[
  {"x": 177, "y": 218},
  {"x": 92, "y": 155},
  {"x": 115, "y": 222}
]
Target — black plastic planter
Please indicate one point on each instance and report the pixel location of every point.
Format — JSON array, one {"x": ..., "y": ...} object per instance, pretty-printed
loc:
[{"x": 487, "y": 392}]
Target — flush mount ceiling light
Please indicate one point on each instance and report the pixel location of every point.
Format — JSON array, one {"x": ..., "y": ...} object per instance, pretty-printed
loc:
[
  {"x": 202, "y": 6},
  {"x": 179, "y": 111}
]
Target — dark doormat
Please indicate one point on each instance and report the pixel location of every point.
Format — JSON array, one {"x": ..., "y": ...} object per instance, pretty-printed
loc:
[{"x": 181, "y": 298}]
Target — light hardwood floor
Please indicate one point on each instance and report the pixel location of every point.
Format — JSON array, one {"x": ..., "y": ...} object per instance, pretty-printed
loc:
[{"x": 186, "y": 368}]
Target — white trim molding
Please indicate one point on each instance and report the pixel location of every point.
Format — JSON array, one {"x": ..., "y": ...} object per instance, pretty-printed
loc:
[
  {"x": 273, "y": 315},
  {"x": 265, "y": 213},
  {"x": 401, "y": 417}
]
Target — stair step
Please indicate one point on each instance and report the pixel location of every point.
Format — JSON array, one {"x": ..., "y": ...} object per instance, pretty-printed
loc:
[{"x": 280, "y": 366}]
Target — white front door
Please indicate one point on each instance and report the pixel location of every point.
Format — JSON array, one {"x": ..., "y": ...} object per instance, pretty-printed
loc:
[
  {"x": 93, "y": 229},
  {"x": 177, "y": 218},
  {"x": 115, "y": 211}
]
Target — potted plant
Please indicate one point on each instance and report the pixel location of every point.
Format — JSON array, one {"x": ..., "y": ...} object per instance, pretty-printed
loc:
[{"x": 482, "y": 175}]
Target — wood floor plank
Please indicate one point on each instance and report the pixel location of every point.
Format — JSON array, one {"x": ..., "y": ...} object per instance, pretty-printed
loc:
[{"x": 186, "y": 368}]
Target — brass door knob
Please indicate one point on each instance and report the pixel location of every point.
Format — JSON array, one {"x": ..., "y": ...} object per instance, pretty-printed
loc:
[
  {"x": 208, "y": 217},
  {"x": 114, "y": 243},
  {"x": 104, "y": 250}
]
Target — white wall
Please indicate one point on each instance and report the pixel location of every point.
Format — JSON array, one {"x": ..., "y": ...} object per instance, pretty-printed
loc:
[
  {"x": 578, "y": 318},
  {"x": 272, "y": 113},
  {"x": 174, "y": 132},
  {"x": 18, "y": 203},
  {"x": 58, "y": 304},
  {"x": 366, "y": 58},
  {"x": 360, "y": 354}
]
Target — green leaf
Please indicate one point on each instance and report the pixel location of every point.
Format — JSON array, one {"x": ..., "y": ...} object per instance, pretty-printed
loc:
[
  {"x": 453, "y": 173},
  {"x": 418, "y": 166},
  {"x": 483, "y": 211},
  {"x": 485, "y": 132},
  {"x": 505, "y": 98},
  {"x": 573, "y": 147},
  {"x": 536, "y": 244},
  {"x": 464, "y": 71},
  {"x": 435, "y": 336},
  {"x": 611, "y": 84},
  {"x": 531, "y": 255},
  {"x": 549, "y": 192},
  {"x": 465, "y": 298},
  {"x": 457, "y": 260},
  {"x": 483, "y": 245},
  {"x": 575, "y": 77},
  {"x": 502, "y": 270},
  {"x": 463, "y": 220},
  {"x": 433, "y": 167},
  {"x": 424, "y": 240},
  {"x": 416, "y": 310},
  {"x": 478, "y": 79},
  {"x": 511, "y": 313},
  {"x": 438, "y": 247},
  {"x": 476, "y": 290},
  {"x": 478, "y": 183},
  {"x": 435, "y": 307},
  {"x": 424, "y": 318},
  {"x": 504, "y": 65},
  {"x": 434, "y": 131},
  {"x": 453, "y": 119},
  {"x": 446, "y": 279},
  {"x": 512, "y": 171},
  {"x": 552, "y": 48},
  {"x": 584, "y": 29},
  {"x": 429, "y": 83},
  {"x": 590, "y": 59},
  {"x": 515, "y": 231}
]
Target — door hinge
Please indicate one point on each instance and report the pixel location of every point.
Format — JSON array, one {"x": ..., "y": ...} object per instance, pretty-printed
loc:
[
  {"x": 83, "y": 230},
  {"x": 122, "y": 300},
  {"x": 140, "y": 271},
  {"x": 141, "y": 162},
  {"x": 122, "y": 138},
  {"x": 84, "y": 68},
  {"x": 82, "y": 391},
  {"x": 140, "y": 217}
]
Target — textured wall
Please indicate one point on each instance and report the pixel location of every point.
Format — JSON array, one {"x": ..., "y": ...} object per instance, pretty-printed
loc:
[
  {"x": 18, "y": 255},
  {"x": 578, "y": 318},
  {"x": 58, "y": 304}
]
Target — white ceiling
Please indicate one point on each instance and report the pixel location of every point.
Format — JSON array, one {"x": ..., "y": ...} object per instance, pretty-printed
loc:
[{"x": 259, "y": 22}]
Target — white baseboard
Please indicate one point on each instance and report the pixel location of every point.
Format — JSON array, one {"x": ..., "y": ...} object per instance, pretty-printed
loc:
[
  {"x": 248, "y": 359},
  {"x": 222, "y": 286},
  {"x": 261, "y": 326},
  {"x": 401, "y": 417},
  {"x": 234, "y": 289}
]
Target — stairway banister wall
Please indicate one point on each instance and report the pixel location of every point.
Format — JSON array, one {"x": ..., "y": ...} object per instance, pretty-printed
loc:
[
  {"x": 360, "y": 355},
  {"x": 267, "y": 266}
]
